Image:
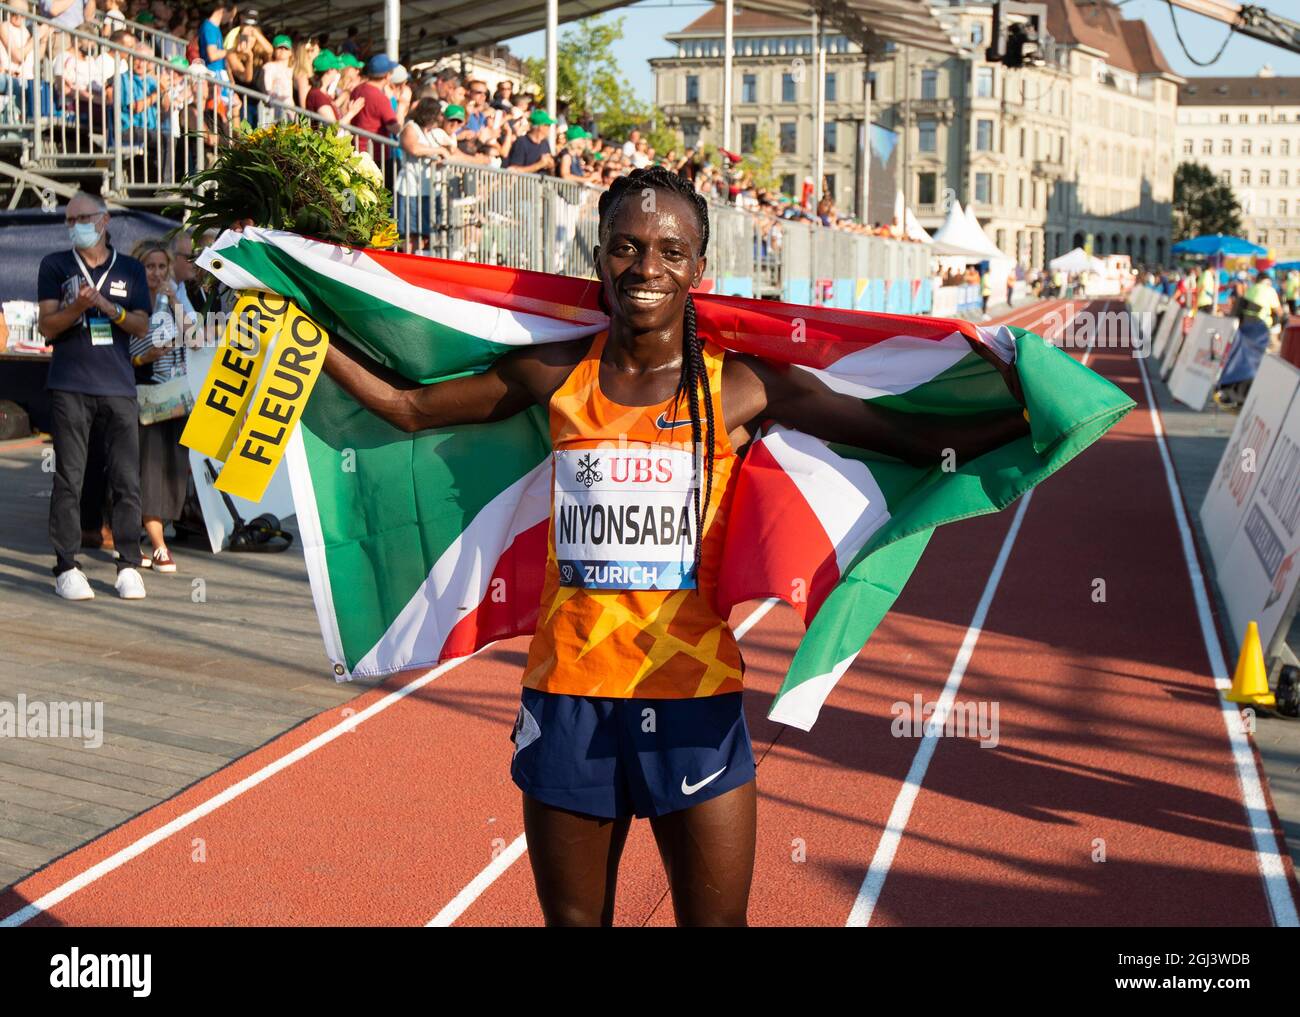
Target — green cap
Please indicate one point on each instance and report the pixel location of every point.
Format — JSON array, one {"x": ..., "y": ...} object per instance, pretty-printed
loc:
[
  {"x": 179, "y": 62},
  {"x": 282, "y": 42},
  {"x": 576, "y": 133},
  {"x": 145, "y": 18},
  {"x": 540, "y": 116},
  {"x": 348, "y": 60},
  {"x": 599, "y": 156},
  {"x": 454, "y": 112},
  {"x": 326, "y": 61}
]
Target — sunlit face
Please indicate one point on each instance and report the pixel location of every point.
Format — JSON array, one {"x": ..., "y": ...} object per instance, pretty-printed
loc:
[
  {"x": 650, "y": 259},
  {"x": 156, "y": 269}
]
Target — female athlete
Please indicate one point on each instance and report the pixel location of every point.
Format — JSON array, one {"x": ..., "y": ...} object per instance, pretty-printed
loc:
[{"x": 631, "y": 703}]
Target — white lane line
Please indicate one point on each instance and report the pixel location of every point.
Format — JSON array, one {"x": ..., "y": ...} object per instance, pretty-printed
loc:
[
  {"x": 461, "y": 902},
  {"x": 502, "y": 862},
  {"x": 1272, "y": 870},
  {"x": 138, "y": 847},
  {"x": 874, "y": 883}
]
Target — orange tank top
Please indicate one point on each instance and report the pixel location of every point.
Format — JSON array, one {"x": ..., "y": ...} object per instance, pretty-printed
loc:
[{"x": 621, "y": 518}]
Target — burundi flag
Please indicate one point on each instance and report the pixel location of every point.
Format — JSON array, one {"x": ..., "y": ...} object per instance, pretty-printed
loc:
[{"x": 423, "y": 547}]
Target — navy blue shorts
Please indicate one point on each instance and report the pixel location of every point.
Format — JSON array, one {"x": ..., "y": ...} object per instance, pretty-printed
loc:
[{"x": 630, "y": 757}]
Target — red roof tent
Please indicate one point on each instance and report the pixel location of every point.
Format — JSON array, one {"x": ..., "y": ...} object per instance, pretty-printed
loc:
[{"x": 453, "y": 26}]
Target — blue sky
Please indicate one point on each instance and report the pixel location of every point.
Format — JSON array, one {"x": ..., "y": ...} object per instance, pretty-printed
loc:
[{"x": 646, "y": 22}]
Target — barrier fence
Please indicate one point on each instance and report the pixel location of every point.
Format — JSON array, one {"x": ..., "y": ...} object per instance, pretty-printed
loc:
[{"x": 86, "y": 108}]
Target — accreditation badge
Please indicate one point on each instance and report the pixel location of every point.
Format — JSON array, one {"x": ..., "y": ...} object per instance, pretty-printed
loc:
[
  {"x": 101, "y": 331},
  {"x": 624, "y": 519}
]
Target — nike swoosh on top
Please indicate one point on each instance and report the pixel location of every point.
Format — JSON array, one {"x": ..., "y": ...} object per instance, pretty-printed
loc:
[
  {"x": 664, "y": 424},
  {"x": 690, "y": 789}
]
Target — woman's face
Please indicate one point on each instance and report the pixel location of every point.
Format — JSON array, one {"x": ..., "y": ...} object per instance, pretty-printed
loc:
[
  {"x": 156, "y": 269},
  {"x": 650, "y": 260}
]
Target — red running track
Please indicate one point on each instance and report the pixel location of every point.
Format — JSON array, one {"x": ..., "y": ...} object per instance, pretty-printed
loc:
[{"x": 1114, "y": 794}]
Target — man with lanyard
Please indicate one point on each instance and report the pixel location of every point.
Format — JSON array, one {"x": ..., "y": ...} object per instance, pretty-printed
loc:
[{"x": 92, "y": 301}]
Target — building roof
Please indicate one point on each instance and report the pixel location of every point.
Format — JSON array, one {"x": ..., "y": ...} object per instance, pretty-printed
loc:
[
  {"x": 1099, "y": 25},
  {"x": 711, "y": 22},
  {"x": 1254, "y": 91}
]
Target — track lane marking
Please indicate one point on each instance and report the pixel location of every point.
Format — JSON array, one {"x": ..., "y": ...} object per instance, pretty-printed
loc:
[
  {"x": 138, "y": 847},
  {"x": 873, "y": 883},
  {"x": 1272, "y": 869}
]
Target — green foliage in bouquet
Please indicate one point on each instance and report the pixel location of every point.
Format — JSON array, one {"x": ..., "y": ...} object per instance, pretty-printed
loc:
[{"x": 298, "y": 178}]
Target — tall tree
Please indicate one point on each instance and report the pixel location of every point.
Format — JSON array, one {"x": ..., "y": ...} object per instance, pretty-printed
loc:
[
  {"x": 1203, "y": 203},
  {"x": 587, "y": 75},
  {"x": 761, "y": 160}
]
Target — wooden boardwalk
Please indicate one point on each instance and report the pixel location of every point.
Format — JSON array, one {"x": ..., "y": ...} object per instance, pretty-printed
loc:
[{"x": 185, "y": 686}]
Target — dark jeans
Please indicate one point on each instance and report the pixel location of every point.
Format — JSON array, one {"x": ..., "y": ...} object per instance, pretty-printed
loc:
[{"x": 74, "y": 415}]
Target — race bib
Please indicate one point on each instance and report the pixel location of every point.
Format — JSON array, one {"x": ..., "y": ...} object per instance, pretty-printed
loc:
[{"x": 624, "y": 519}]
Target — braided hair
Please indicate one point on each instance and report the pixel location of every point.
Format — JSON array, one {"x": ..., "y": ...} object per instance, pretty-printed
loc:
[{"x": 694, "y": 371}]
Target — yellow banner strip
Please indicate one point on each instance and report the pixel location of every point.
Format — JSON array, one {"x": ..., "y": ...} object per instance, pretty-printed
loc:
[
  {"x": 276, "y": 408},
  {"x": 228, "y": 388}
]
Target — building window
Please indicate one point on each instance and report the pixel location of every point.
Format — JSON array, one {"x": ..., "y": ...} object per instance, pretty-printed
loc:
[
  {"x": 929, "y": 84},
  {"x": 789, "y": 137},
  {"x": 1245, "y": 176},
  {"x": 929, "y": 134},
  {"x": 1226, "y": 176},
  {"x": 1244, "y": 118},
  {"x": 748, "y": 135},
  {"x": 830, "y": 185},
  {"x": 976, "y": 34},
  {"x": 1263, "y": 178},
  {"x": 927, "y": 185},
  {"x": 1225, "y": 146},
  {"x": 690, "y": 133},
  {"x": 984, "y": 82},
  {"x": 789, "y": 90},
  {"x": 1263, "y": 118},
  {"x": 830, "y": 137},
  {"x": 749, "y": 88},
  {"x": 831, "y": 77},
  {"x": 692, "y": 88},
  {"x": 983, "y": 184},
  {"x": 1188, "y": 145},
  {"x": 1282, "y": 177},
  {"x": 983, "y": 135},
  {"x": 787, "y": 184},
  {"x": 1284, "y": 147},
  {"x": 1224, "y": 118},
  {"x": 1245, "y": 146},
  {"x": 1207, "y": 147}
]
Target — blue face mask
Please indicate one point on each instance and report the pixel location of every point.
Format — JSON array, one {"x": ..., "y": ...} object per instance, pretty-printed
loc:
[{"x": 84, "y": 234}]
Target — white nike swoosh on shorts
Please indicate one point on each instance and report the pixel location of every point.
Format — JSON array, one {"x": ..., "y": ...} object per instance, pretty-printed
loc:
[{"x": 690, "y": 789}]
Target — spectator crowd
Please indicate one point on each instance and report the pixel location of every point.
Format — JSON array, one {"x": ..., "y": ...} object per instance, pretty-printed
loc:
[{"x": 172, "y": 95}]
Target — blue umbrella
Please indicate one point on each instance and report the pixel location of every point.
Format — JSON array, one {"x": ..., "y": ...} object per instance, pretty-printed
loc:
[
  {"x": 1217, "y": 244},
  {"x": 1287, "y": 266}
]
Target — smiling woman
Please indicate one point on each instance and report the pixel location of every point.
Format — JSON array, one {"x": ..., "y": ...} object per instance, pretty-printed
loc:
[{"x": 632, "y": 690}]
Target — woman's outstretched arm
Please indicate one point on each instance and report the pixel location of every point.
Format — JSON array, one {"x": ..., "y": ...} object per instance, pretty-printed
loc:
[
  {"x": 756, "y": 390},
  {"x": 518, "y": 380}
]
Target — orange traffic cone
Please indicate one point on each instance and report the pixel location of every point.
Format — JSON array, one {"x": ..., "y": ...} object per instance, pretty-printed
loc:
[{"x": 1250, "y": 680}]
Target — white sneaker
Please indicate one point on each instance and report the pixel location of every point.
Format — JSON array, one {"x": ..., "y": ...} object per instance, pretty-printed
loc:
[
  {"x": 129, "y": 585},
  {"x": 73, "y": 585}
]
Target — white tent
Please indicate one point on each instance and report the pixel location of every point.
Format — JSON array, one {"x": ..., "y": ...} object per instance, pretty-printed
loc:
[
  {"x": 959, "y": 237},
  {"x": 1077, "y": 260},
  {"x": 988, "y": 245},
  {"x": 913, "y": 230}
]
